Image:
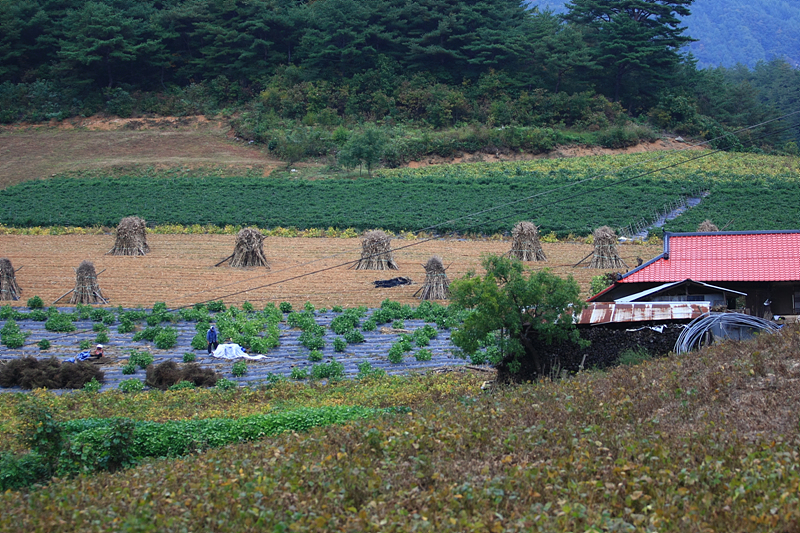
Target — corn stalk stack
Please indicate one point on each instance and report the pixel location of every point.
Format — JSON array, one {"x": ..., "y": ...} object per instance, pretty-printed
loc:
[
  {"x": 436, "y": 286},
  {"x": 9, "y": 290},
  {"x": 707, "y": 226},
  {"x": 376, "y": 252},
  {"x": 131, "y": 237},
  {"x": 86, "y": 290},
  {"x": 248, "y": 250},
  {"x": 526, "y": 245},
  {"x": 605, "y": 250}
]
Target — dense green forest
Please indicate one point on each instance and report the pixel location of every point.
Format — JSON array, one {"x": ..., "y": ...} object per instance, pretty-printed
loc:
[
  {"x": 731, "y": 32},
  {"x": 278, "y": 66}
]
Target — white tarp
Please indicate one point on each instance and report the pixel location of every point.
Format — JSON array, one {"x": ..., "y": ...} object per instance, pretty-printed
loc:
[{"x": 234, "y": 351}]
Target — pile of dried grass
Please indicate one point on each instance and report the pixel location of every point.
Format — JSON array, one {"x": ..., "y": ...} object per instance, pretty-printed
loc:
[
  {"x": 131, "y": 237},
  {"x": 86, "y": 290},
  {"x": 168, "y": 373},
  {"x": 707, "y": 226},
  {"x": 436, "y": 286},
  {"x": 248, "y": 250},
  {"x": 605, "y": 249},
  {"x": 31, "y": 373},
  {"x": 376, "y": 252},
  {"x": 526, "y": 245},
  {"x": 9, "y": 290}
]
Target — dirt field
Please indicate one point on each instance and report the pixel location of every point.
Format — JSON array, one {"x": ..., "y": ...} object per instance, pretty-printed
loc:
[{"x": 179, "y": 270}]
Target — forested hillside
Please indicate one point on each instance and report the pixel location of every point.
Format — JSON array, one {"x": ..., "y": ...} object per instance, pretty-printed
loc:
[
  {"x": 734, "y": 31},
  {"x": 297, "y": 74}
]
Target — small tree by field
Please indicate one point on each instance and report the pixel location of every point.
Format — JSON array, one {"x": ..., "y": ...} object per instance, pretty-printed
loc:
[
  {"x": 519, "y": 308},
  {"x": 365, "y": 148}
]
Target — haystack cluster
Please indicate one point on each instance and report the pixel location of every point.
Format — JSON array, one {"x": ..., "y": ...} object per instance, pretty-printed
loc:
[
  {"x": 87, "y": 290},
  {"x": 131, "y": 237},
  {"x": 707, "y": 226},
  {"x": 249, "y": 249},
  {"x": 605, "y": 249},
  {"x": 9, "y": 290},
  {"x": 437, "y": 286},
  {"x": 376, "y": 252},
  {"x": 526, "y": 245}
]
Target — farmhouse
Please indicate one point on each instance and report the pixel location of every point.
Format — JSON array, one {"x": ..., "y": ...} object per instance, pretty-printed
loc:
[{"x": 758, "y": 271}]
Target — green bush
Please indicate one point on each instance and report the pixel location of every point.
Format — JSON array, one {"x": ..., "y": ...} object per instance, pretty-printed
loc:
[
  {"x": 313, "y": 339},
  {"x": 248, "y": 307},
  {"x": 398, "y": 324},
  {"x": 181, "y": 385},
  {"x": 38, "y": 315},
  {"x": 216, "y": 306},
  {"x": 423, "y": 355},
  {"x": 369, "y": 325},
  {"x": 101, "y": 338},
  {"x": 298, "y": 373},
  {"x": 166, "y": 338},
  {"x": 354, "y": 336},
  {"x": 140, "y": 359},
  {"x": 285, "y": 307},
  {"x": 126, "y": 326},
  {"x": 92, "y": 386},
  {"x": 84, "y": 345},
  {"x": 131, "y": 385},
  {"x": 339, "y": 344},
  {"x": 365, "y": 371},
  {"x": 147, "y": 334},
  {"x": 224, "y": 384},
  {"x": 337, "y": 309},
  {"x": 239, "y": 369},
  {"x": 44, "y": 344},
  {"x": 199, "y": 341},
  {"x": 128, "y": 368},
  {"x": 60, "y": 323},
  {"x": 11, "y": 335},
  {"x": 333, "y": 370},
  {"x": 35, "y": 303},
  {"x": 189, "y": 357},
  {"x": 97, "y": 327},
  {"x": 634, "y": 356},
  {"x": 315, "y": 356},
  {"x": 396, "y": 353}
]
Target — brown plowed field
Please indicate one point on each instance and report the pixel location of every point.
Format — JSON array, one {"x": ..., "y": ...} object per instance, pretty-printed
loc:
[{"x": 179, "y": 270}]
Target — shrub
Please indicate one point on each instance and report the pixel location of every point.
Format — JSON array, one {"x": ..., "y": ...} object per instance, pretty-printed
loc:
[
  {"x": 239, "y": 369},
  {"x": 248, "y": 307},
  {"x": 369, "y": 325},
  {"x": 226, "y": 384},
  {"x": 313, "y": 339},
  {"x": 102, "y": 338},
  {"x": 125, "y": 326},
  {"x": 140, "y": 359},
  {"x": 285, "y": 307},
  {"x": 423, "y": 355},
  {"x": 354, "y": 336},
  {"x": 308, "y": 306},
  {"x": 333, "y": 370},
  {"x": 166, "y": 338},
  {"x": 97, "y": 327},
  {"x": 181, "y": 385},
  {"x": 398, "y": 324},
  {"x": 199, "y": 341},
  {"x": 396, "y": 353},
  {"x": 189, "y": 357},
  {"x": 365, "y": 371},
  {"x": 478, "y": 358},
  {"x": 216, "y": 306},
  {"x": 128, "y": 368},
  {"x": 147, "y": 334},
  {"x": 44, "y": 344},
  {"x": 315, "y": 356},
  {"x": 634, "y": 356},
  {"x": 35, "y": 303},
  {"x": 92, "y": 386},
  {"x": 84, "y": 345},
  {"x": 38, "y": 315},
  {"x": 339, "y": 344},
  {"x": 337, "y": 309},
  {"x": 298, "y": 373},
  {"x": 420, "y": 339},
  {"x": 131, "y": 385},
  {"x": 60, "y": 323}
]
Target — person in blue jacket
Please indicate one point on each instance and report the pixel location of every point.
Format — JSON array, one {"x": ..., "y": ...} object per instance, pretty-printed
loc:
[{"x": 211, "y": 337}]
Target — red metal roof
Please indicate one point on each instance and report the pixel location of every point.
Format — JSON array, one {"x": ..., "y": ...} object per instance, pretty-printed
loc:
[{"x": 724, "y": 256}]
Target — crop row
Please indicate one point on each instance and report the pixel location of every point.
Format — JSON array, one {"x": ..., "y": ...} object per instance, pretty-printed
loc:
[{"x": 562, "y": 196}]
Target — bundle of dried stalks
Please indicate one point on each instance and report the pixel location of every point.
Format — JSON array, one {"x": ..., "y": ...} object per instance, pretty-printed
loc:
[
  {"x": 131, "y": 237},
  {"x": 9, "y": 290},
  {"x": 249, "y": 249},
  {"x": 376, "y": 252},
  {"x": 605, "y": 249},
  {"x": 526, "y": 245},
  {"x": 437, "y": 286},
  {"x": 707, "y": 226},
  {"x": 86, "y": 290}
]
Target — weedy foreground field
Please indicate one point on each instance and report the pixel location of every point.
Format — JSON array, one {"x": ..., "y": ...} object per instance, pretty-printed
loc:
[{"x": 706, "y": 441}]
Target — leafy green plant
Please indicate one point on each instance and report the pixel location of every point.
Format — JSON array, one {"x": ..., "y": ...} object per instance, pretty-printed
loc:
[
  {"x": 224, "y": 384},
  {"x": 189, "y": 357},
  {"x": 101, "y": 338},
  {"x": 313, "y": 338},
  {"x": 399, "y": 324},
  {"x": 247, "y": 307},
  {"x": 97, "y": 327},
  {"x": 634, "y": 356},
  {"x": 126, "y": 326},
  {"x": 337, "y": 309},
  {"x": 60, "y": 323},
  {"x": 141, "y": 359},
  {"x": 308, "y": 306},
  {"x": 92, "y": 386},
  {"x": 423, "y": 355},
  {"x": 44, "y": 344},
  {"x": 166, "y": 338},
  {"x": 131, "y": 385},
  {"x": 84, "y": 345},
  {"x": 353, "y": 336},
  {"x": 315, "y": 356},
  {"x": 365, "y": 371},
  {"x": 339, "y": 344},
  {"x": 216, "y": 306},
  {"x": 182, "y": 385},
  {"x": 369, "y": 325},
  {"x": 11, "y": 335},
  {"x": 128, "y": 368},
  {"x": 35, "y": 303},
  {"x": 239, "y": 369},
  {"x": 298, "y": 373},
  {"x": 285, "y": 307},
  {"x": 332, "y": 370},
  {"x": 396, "y": 353}
]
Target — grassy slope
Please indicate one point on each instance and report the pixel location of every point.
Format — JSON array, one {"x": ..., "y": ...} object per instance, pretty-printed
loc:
[{"x": 701, "y": 442}]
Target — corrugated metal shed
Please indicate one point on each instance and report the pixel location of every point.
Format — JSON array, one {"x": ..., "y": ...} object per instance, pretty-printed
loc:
[{"x": 617, "y": 313}]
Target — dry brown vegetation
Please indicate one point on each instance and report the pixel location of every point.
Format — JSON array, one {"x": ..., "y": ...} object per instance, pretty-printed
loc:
[{"x": 179, "y": 269}]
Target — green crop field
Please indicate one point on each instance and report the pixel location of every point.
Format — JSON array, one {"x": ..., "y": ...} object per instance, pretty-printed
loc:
[{"x": 561, "y": 195}]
